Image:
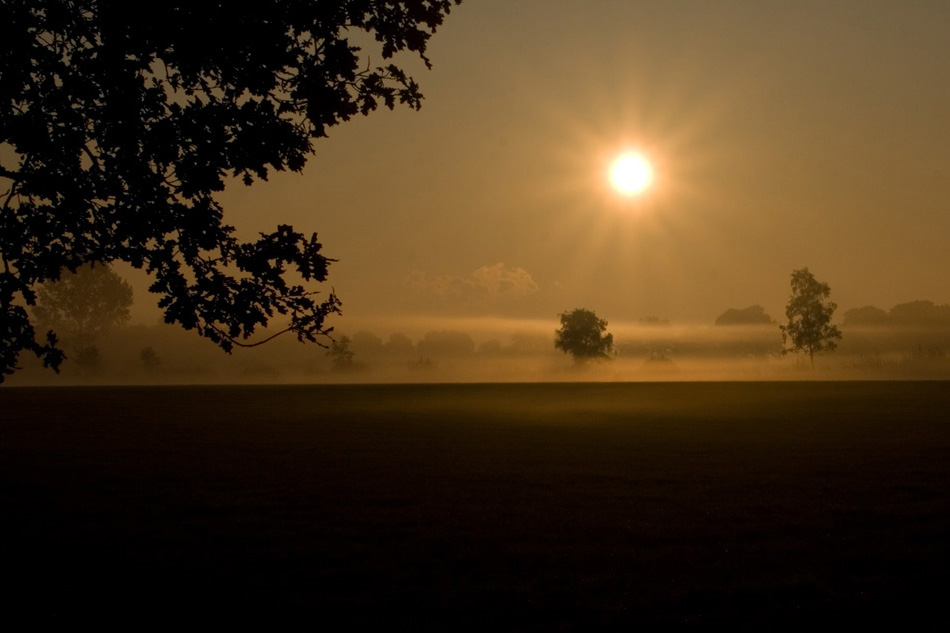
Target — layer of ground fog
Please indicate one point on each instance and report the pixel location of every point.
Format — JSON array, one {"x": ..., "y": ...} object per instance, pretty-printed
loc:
[
  {"x": 763, "y": 506},
  {"x": 485, "y": 350}
]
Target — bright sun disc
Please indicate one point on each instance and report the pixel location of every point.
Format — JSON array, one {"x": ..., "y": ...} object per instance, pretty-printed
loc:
[{"x": 630, "y": 174}]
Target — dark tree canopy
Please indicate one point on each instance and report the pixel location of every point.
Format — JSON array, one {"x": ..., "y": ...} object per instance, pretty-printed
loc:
[
  {"x": 809, "y": 313},
  {"x": 582, "y": 336},
  {"x": 119, "y": 122}
]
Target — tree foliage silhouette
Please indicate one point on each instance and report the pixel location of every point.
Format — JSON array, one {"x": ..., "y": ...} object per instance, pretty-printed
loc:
[
  {"x": 809, "y": 315},
  {"x": 582, "y": 336},
  {"x": 118, "y": 125}
]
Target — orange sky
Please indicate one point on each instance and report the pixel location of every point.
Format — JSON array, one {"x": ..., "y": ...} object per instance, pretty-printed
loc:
[{"x": 783, "y": 134}]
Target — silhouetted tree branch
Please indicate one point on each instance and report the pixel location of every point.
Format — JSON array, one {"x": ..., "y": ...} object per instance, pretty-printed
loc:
[{"x": 118, "y": 125}]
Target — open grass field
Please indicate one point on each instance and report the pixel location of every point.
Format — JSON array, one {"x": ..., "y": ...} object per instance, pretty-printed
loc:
[{"x": 744, "y": 506}]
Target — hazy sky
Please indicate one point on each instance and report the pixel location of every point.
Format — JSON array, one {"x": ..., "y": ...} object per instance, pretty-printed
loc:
[{"x": 783, "y": 134}]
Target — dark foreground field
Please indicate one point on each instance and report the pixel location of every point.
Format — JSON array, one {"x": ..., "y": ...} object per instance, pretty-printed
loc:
[{"x": 765, "y": 506}]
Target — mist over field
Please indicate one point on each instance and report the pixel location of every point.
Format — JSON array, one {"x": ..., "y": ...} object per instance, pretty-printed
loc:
[{"x": 416, "y": 349}]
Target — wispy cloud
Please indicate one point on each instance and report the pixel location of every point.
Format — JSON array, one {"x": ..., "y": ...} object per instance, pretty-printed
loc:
[{"x": 487, "y": 287}]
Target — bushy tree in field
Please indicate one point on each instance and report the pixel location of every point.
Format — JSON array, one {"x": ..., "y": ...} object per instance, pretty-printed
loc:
[
  {"x": 89, "y": 357},
  {"x": 582, "y": 335},
  {"x": 150, "y": 359},
  {"x": 341, "y": 356},
  {"x": 83, "y": 305},
  {"x": 119, "y": 123},
  {"x": 753, "y": 315},
  {"x": 809, "y": 313}
]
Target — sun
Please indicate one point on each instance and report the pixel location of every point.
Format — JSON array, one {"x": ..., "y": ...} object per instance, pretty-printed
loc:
[{"x": 631, "y": 174}]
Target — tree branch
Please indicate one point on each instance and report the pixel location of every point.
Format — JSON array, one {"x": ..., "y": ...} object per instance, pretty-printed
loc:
[
  {"x": 234, "y": 341},
  {"x": 6, "y": 203},
  {"x": 94, "y": 159}
]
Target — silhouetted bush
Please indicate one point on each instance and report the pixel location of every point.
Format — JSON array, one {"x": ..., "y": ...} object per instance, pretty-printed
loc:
[
  {"x": 753, "y": 315},
  {"x": 150, "y": 359},
  {"x": 654, "y": 320},
  {"x": 88, "y": 357}
]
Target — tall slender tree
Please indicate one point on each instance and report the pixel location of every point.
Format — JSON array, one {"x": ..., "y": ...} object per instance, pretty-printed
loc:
[{"x": 809, "y": 313}]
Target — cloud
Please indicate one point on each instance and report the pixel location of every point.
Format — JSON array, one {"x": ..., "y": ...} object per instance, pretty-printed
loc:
[
  {"x": 487, "y": 287},
  {"x": 499, "y": 281}
]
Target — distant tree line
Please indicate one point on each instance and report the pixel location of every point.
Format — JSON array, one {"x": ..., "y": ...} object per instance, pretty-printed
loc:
[
  {"x": 920, "y": 314},
  {"x": 92, "y": 306}
]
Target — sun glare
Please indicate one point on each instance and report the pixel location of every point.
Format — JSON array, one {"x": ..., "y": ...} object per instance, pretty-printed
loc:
[{"x": 631, "y": 174}]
